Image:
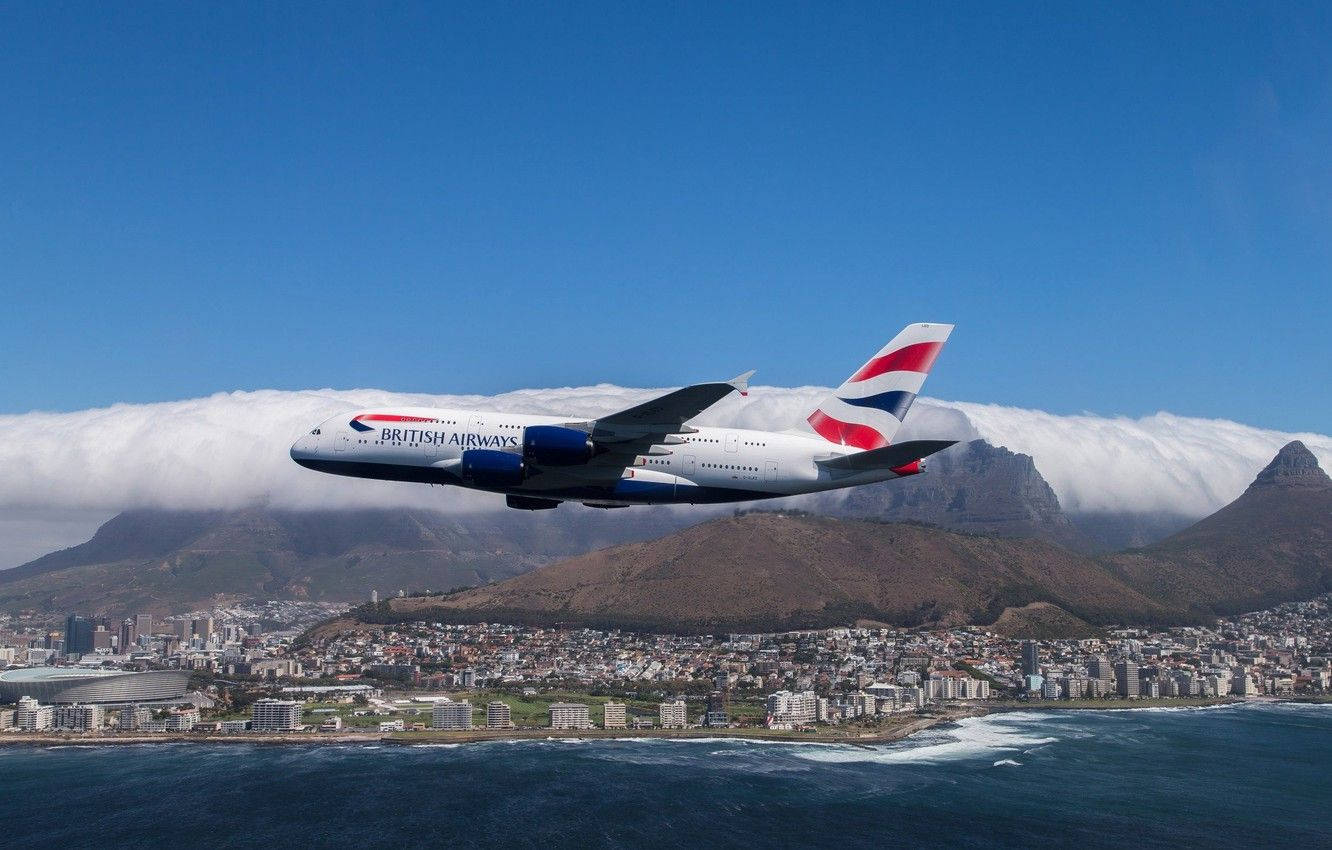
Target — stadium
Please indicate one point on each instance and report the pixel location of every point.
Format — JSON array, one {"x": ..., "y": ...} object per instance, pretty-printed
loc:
[{"x": 71, "y": 684}]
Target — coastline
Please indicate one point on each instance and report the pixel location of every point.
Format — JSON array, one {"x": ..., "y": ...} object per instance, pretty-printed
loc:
[{"x": 895, "y": 730}]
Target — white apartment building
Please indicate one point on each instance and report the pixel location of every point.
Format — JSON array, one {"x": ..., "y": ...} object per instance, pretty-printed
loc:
[
  {"x": 616, "y": 716},
  {"x": 498, "y": 716},
  {"x": 183, "y": 719},
  {"x": 791, "y": 709},
  {"x": 569, "y": 715},
  {"x": 674, "y": 715},
  {"x": 275, "y": 715},
  {"x": 31, "y": 716},
  {"x": 954, "y": 684},
  {"x": 451, "y": 715}
]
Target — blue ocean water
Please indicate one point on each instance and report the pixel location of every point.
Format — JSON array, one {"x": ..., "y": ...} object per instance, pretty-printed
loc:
[{"x": 1228, "y": 776}]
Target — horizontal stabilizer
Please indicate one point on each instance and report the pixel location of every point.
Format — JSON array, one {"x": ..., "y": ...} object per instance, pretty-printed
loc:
[{"x": 888, "y": 457}]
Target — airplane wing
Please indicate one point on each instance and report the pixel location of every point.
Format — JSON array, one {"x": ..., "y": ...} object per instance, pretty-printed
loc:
[{"x": 657, "y": 421}]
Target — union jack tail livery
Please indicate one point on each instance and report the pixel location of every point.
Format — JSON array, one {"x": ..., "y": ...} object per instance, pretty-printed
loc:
[{"x": 867, "y": 409}]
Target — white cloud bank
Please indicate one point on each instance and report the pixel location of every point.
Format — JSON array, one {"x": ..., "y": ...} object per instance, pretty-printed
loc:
[{"x": 230, "y": 449}]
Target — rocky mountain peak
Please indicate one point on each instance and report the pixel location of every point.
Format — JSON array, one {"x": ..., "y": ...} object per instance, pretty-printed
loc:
[
  {"x": 1293, "y": 466},
  {"x": 974, "y": 487}
]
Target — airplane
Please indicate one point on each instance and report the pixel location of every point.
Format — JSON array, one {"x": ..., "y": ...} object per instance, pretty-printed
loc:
[{"x": 647, "y": 454}]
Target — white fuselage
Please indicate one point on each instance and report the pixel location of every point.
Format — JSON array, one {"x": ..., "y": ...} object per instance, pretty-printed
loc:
[{"x": 707, "y": 465}]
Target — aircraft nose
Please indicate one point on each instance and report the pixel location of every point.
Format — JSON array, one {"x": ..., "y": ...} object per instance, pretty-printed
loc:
[{"x": 304, "y": 448}]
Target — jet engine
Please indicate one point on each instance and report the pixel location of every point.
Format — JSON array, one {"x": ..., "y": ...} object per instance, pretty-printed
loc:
[
  {"x": 553, "y": 445},
  {"x": 490, "y": 468}
]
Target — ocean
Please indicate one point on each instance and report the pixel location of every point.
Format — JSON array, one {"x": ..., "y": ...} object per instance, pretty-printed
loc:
[{"x": 1220, "y": 777}]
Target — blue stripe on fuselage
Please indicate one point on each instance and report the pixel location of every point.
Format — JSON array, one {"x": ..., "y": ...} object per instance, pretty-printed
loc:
[{"x": 637, "y": 491}]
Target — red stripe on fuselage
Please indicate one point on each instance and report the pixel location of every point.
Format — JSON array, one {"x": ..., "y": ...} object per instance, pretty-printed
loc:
[
  {"x": 846, "y": 433},
  {"x": 918, "y": 357},
  {"x": 389, "y": 417}
]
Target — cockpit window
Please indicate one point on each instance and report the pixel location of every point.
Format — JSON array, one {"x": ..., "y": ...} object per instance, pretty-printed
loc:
[{"x": 315, "y": 432}]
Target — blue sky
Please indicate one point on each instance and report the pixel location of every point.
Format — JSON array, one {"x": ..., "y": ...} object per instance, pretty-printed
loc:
[{"x": 1124, "y": 209}]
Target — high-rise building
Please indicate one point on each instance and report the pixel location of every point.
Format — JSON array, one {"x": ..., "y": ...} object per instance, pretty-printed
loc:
[
  {"x": 125, "y": 639},
  {"x": 143, "y": 624},
  {"x": 451, "y": 715},
  {"x": 674, "y": 715},
  {"x": 498, "y": 716},
  {"x": 1099, "y": 669},
  {"x": 202, "y": 628},
  {"x": 78, "y": 635},
  {"x": 275, "y": 715},
  {"x": 1075, "y": 686},
  {"x": 133, "y": 717},
  {"x": 615, "y": 717},
  {"x": 77, "y": 718},
  {"x": 1126, "y": 678},
  {"x": 1031, "y": 658},
  {"x": 569, "y": 715}
]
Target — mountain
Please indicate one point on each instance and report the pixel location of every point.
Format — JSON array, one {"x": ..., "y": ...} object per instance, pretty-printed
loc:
[
  {"x": 755, "y": 571},
  {"x": 774, "y": 571},
  {"x": 1272, "y": 544},
  {"x": 160, "y": 562},
  {"x": 768, "y": 571},
  {"x": 974, "y": 487}
]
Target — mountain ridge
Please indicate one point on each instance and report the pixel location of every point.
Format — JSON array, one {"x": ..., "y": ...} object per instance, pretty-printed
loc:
[{"x": 803, "y": 571}]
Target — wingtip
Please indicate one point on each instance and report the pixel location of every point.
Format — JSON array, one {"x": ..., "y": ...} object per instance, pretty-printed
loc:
[{"x": 741, "y": 381}]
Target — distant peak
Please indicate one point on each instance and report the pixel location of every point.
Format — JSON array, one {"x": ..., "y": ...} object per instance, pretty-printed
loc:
[{"x": 1293, "y": 466}]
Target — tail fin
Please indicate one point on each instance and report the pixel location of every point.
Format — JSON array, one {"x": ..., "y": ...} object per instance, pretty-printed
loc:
[{"x": 868, "y": 408}]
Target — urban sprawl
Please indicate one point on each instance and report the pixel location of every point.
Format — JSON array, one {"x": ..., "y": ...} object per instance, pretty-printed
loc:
[{"x": 255, "y": 669}]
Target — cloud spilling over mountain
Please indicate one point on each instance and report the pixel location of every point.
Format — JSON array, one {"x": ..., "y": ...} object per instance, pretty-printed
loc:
[{"x": 230, "y": 450}]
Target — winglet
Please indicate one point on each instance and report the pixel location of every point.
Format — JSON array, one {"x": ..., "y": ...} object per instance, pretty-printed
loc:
[{"x": 741, "y": 382}]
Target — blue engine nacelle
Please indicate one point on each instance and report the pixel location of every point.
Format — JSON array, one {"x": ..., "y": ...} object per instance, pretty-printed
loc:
[
  {"x": 490, "y": 468},
  {"x": 552, "y": 445}
]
